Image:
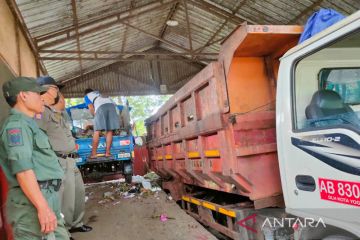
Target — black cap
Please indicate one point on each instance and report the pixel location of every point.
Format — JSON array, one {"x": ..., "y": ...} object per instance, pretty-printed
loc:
[{"x": 47, "y": 80}]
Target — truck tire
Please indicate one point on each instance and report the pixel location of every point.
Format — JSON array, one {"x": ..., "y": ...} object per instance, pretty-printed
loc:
[{"x": 128, "y": 178}]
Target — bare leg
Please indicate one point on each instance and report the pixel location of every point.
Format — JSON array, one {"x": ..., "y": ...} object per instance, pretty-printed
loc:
[
  {"x": 109, "y": 138},
  {"x": 95, "y": 143}
]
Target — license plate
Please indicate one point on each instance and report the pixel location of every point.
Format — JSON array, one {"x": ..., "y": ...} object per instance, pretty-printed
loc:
[
  {"x": 343, "y": 192},
  {"x": 123, "y": 155}
]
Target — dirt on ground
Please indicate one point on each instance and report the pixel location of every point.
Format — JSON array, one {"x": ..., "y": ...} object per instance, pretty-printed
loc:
[{"x": 118, "y": 211}]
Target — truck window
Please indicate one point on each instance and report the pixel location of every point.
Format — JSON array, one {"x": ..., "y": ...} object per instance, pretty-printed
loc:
[
  {"x": 346, "y": 82},
  {"x": 327, "y": 87}
]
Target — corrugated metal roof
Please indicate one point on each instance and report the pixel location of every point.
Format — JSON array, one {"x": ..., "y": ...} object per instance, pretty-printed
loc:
[
  {"x": 63, "y": 28},
  {"x": 140, "y": 77}
]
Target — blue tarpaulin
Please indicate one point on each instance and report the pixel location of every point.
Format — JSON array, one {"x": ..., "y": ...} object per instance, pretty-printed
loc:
[{"x": 319, "y": 21}]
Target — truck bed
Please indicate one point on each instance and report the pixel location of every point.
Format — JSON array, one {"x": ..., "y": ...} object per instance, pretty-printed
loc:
[
  {"x": 121, "y": 149},
  {"x": 218, "y": 131}
]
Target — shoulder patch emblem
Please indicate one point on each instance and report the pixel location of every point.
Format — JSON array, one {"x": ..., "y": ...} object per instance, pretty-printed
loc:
[{"x": 14, "y": 137}]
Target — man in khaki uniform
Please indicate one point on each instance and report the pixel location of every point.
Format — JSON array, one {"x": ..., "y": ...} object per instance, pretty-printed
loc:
[
  {"x": 31, "y": 167},
  {"x": 52, "y": 121}
]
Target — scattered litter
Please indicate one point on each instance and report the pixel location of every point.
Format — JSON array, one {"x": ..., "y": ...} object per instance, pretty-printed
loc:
[
  {"x": 121, "y": 180},
  {"x": 151, "y": 176},
  {"x": 163, "y": 218},
  {"x": 123, "y": 187},
  {"x": 137, "y": 179},
  {"x": 113, "y": 191},
  {"x": 135, "y": 189},
  {"x": 131, "y": 195},
  {"x": 109, "y": 195},
  {"x": 155, "y": 189},
  {"x": 146, "y": 184}
]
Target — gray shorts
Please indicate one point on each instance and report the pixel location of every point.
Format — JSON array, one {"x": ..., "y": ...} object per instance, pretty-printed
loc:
[{"x": 106, "y": 118}]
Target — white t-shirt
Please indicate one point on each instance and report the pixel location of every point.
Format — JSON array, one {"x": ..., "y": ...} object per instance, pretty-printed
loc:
[{"x": 96, "y": 99}]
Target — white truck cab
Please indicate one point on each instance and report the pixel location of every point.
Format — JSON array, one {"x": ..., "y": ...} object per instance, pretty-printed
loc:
[{"x": 318, "y": 126}]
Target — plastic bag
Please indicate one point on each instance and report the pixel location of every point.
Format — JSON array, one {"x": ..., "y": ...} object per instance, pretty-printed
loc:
[{"x": 319, "y": 21}]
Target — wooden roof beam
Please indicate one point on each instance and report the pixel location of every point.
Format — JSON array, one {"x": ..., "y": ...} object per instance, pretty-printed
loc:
[
  {"x": 188, "y": 24},
  {"x": 127, "y": 53},
  {"x": 119, "y": 59},
  {"x": 169, "y": 16},
  {"x": 219, "y": 11},
  {"x": 123, "y": 44},
  {"x": 240, "y": 4},
  {"x": 157, "y": 38},
  {"x": 69, "y": 33},
  {"x": 75, "y": 21}
]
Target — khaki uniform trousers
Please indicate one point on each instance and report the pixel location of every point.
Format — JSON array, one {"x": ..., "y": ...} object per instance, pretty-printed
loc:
[
  {"x": 72, "y": 194},
  {"x": 23, "y": 218}
]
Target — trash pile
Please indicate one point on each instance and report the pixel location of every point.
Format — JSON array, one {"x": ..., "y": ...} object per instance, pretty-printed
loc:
[
  {"x": 88, "y": 132},
  {"x": 116, "y": 190}
]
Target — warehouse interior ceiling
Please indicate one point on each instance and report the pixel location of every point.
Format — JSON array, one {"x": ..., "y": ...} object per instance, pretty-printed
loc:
[{"x": 142, "y": 47}]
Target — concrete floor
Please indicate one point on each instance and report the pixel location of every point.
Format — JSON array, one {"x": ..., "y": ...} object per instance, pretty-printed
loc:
[{"x": 137, "y": 218}]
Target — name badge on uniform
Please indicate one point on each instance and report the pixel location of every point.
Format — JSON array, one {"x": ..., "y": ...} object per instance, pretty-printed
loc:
[{"x": 14, "y": 136}]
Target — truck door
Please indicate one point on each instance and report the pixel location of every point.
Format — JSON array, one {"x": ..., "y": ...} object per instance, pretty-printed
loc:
[{"x": 318, "y": 126}]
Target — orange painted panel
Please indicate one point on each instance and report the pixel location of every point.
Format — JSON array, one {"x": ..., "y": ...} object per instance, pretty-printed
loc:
[{"x": 248, "y": 84}]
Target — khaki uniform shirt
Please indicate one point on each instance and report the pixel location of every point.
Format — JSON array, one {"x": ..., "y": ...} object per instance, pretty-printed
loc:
[
  {"x": 24, "y": 146},
  {"x": 56, "y": 127}
]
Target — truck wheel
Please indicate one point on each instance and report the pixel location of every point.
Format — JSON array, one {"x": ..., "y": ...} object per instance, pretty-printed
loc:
[{"x": 128, "y": 178}]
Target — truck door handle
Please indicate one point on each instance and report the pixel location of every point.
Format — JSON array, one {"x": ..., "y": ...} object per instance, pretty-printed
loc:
[{"x": 305, "y": 183}]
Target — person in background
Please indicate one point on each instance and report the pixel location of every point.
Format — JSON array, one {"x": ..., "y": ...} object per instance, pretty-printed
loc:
[
  {"x": 53, "y": 122},
  {"x": 30, "y": 165},
  {"x": 106, "y": 119}
]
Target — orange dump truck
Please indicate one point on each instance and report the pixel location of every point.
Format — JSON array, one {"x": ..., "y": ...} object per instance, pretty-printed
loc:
[
  {"x": 267, "y": 126},
  {"x": 218, "y": 131}
]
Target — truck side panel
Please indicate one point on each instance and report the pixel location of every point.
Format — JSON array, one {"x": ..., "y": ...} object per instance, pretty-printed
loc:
[{"x": 218, "y": 131}]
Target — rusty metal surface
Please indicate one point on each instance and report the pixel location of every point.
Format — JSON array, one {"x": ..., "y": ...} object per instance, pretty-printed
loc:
[
  {"x": 141, "y": 160},
  {"x": 212, "y": 133},
  {"x": 140, "y": 25}
]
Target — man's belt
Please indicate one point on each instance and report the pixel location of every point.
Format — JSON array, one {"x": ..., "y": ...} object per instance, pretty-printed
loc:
[
  {"x": 68, "y": 155},
  {"x": 55, "y": 183}
]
